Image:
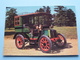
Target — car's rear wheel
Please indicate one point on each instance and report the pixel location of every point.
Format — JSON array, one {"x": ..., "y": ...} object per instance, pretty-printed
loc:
[
  {"x": 61, "y": 42},
  {"x": 19, "y": 41}
]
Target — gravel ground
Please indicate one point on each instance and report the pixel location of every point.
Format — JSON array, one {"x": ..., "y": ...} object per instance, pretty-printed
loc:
[{"x": 10, "y": 49}]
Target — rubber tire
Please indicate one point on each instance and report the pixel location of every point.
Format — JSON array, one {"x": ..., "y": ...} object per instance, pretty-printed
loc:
[
  {"x": 63, "y": 43},
  {"x": 22, "y": 37},
  {"x": 50, "y": 42}
]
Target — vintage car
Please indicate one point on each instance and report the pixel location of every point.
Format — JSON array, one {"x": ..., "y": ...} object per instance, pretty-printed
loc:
[{"x": 37, "y": 29}]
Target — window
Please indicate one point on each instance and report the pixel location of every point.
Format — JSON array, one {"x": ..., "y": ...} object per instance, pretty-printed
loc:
[
  {"x": 30, "y": 20},
  {"x": 16, "y": 21}
]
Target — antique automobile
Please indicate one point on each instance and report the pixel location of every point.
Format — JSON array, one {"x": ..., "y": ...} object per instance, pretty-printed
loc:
[{"x": 37, "y": 29}]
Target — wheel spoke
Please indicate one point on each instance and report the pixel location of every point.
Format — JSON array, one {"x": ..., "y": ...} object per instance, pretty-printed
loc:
[
  {"x": 19, "y": 42},
  {"x": 61, "y": 37},
  {"x": 61, "y": 41},
  {"x": 44, "y": 44}
]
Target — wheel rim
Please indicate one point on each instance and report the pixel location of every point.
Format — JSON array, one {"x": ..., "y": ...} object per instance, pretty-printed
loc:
[
  {"x": 19, "y": 42},
  {"x": 44, "y": 44},
  {"x": 61, "y": 40}
]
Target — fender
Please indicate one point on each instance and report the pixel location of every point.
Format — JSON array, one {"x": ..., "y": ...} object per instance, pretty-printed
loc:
[
  {"x": 53, "y": 33},
  {"x": 24, "y": 34}
]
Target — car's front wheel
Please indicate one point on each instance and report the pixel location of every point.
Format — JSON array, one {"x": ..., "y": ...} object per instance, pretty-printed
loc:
[{"x": 45, "y": 44}]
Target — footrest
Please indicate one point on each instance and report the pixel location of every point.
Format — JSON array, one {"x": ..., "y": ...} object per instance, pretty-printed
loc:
[{"x": 33, "y": 38}]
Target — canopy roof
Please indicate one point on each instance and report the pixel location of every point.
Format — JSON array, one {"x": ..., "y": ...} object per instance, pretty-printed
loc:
[{"x": 33, "y": 14}]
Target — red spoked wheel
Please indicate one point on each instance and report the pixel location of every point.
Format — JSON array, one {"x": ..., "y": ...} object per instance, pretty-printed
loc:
[
  {"x": 61, "y": 42},
  {"x": 45, "y": 44},
  {"x": 19, "y": 41}
]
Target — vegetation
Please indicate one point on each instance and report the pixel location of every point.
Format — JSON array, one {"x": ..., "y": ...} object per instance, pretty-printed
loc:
[
  {"x": 68, "y": 32},
  {"x": 44, "y": 9},
  {"x": 64, "y": 16},
  {"x": 63, "y": 19},
  {"x": 10, "y": 30},
  {"x": 11, "y": 12}
]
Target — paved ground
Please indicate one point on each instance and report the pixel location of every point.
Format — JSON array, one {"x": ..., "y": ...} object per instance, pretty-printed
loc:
[{"x": 10, "y": 49}]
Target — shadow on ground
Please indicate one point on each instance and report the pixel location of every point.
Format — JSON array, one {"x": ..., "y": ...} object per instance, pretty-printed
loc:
[
  {"x": 9, "y": 33},
  {"x": 55, "y": 49},
  {"x": 58, "y": 50}
]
